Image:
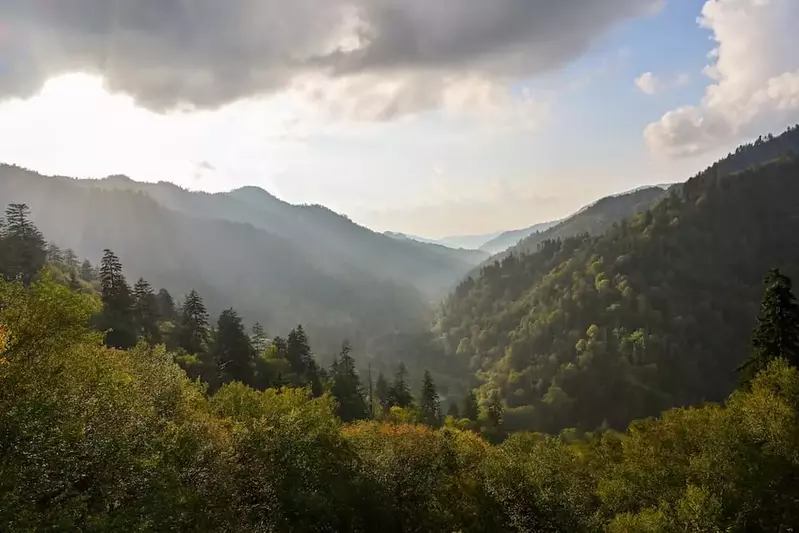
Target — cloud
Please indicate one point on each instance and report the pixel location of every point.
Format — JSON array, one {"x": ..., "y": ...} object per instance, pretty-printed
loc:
[
  {"x": 208, "y": 53},
  {"x": 647, "y": 83},
  {"x": 755, "y": 73}
]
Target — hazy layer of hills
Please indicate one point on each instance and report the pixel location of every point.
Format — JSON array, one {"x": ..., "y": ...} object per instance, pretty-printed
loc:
[
  {"x": 505, "y": 240},
  {"x": 276, "y": 263},
  {"x": 653, "y": 311}
]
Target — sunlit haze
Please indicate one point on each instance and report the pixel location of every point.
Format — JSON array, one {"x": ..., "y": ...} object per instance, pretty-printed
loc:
[{"x": 484, "y": 126}]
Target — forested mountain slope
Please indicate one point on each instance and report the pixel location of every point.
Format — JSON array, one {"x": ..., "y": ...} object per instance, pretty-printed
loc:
[
  {"x": 276, "y": 263},
  {"x": 655, "y": 313}
]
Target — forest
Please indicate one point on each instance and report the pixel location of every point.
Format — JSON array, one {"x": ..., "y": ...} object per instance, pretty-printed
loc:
[
  {"x": 594, "y": 332},
  {"x": 645, "y": 379},
  {"x": 96, "y": 437}
]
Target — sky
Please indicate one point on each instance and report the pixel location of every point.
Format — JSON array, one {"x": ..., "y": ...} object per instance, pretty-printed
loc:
[{"x": 430, "y": 118}]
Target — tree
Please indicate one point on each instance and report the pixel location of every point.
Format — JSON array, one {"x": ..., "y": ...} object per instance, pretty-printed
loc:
[
  {"x": 24, "y": 245},
  {"x": 259, "y": 339},
  {"x": 232, "y": 350},
  {"x": 166, "y": 305},
  {"x": 87, "y": 273},
  {"x": 145, "y": 312},
  {"x": 776, "y": 334},
  {"x": 471, "y": 409},
  {"x": 71, "y": 259},
  {"x": 74, "y": 283},
  {"x": 345, "y": 386},
  {"x": 301, "y": 359},
  {"x": 400, "y": 391},
  {"x": 494, "y": 412},
  {"x": 117, "y": 315},
  {"x": 191, "y": 332},
  {"x": 54, "y": 254},
  {"x": 298, "y": 351},
  {"x": 383, "y": 392},
  {"x": 429, "y": 403}
]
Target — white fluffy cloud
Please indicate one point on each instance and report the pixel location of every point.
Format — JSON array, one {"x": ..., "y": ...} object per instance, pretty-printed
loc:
[
  {"x": 648, "y": 83},
  {"x": 755, "y": 73}
]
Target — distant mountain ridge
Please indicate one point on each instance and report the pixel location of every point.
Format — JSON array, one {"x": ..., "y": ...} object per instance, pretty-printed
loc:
[{"x": 275, "y": 262}]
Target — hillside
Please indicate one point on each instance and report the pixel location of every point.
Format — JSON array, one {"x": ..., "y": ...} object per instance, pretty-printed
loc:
[
  {"x": 276, "y": 263},
  {"x": 507, "y": 239},
  {"x": 657, "y": 312}
]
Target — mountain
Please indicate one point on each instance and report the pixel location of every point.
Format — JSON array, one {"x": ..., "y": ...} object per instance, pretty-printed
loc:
[
  {"x": 593, "y": 219},
  {"x": 475, "y": 257},
  {"x": 457, "y": 242},
  {"x": 505, "y": 240},
  {"x": 277, "y": 263},
  {"x": 595, "y": 331}
]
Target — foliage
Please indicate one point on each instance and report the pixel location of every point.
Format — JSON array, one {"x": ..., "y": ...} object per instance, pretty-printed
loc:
[
  {"x": 777, "y": 332},
  {"x": 594, "y": 332},
  {"x": 98, "y": 439}
]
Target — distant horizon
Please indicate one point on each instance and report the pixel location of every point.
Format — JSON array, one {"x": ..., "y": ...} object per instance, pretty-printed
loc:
[
  {"x": 464, "y": 118},
  {"x": 488, "y": 234}
]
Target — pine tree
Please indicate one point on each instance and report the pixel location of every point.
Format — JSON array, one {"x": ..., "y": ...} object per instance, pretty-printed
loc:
[
  {"x": 191, "y": 332},
  {"x": 400, "y": 391},
  {"x": 166, "y": 305},
  {"x": 383, "y": 393},
  {"x": 145, "y": 312},
  {"x": 71, "y": 259},
  {"x": 260, "y": 342},
  {"x": 471, "y": 409},
  {"x": 232, "y": 350},
  {"x": 24, "y": 245},
  {"x": 345, "y": 386},
  {"x": 54, "y": 254},
  {"x": 87, "y": 272},
  {"x": 117, "y": 315},
  {"x": 429, "y": 403},
  {"x": 777, "y": 331},
  {"x": 298, "y": 352}
]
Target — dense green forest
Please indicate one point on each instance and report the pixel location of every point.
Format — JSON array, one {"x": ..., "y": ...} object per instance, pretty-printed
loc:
[
  {"x": 94, "y": 438},
  {"x": 596, "y": 331},
  {"x": 123, "y": 407}
]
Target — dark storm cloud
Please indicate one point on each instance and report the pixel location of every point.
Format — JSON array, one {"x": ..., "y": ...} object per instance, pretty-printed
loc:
[{"x": 210, "y": 52}]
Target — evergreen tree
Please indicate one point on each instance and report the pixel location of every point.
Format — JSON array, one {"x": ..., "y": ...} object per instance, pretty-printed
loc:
[
  {"x": 777, "y": 332},
  {"x": 87, "y": 271},
  {"x": 259, "y": 340},
  {"x": 117, "y": 315},
  {"x": 471, "y": 409},
  {"x": 166, "y": 305},
  {"x": 24, "y": 245},
  {"x": 383, "y": 393},
  {"x": 400, "y": 391},
  {"x": 71, "y": 259},
  {"x": 298, "y": 352},
  {"x": 232, "y": 350},
  {"x": 191, "y": 332},
  {"x": 54, "y": 254},
  {"x": 145, "y": 312},
  {"x": 429, "y": 403},
  {"x": 345, "y": 386}
]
